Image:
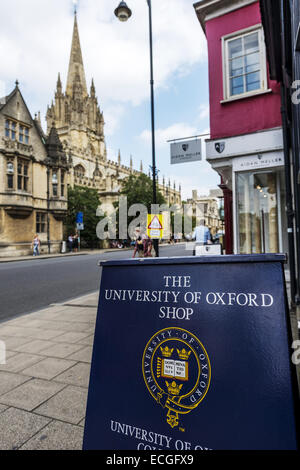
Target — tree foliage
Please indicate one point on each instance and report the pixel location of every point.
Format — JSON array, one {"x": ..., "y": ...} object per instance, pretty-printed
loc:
[
  {"x": 86, "y": 200},
  {"x": 139, "y": 190}
]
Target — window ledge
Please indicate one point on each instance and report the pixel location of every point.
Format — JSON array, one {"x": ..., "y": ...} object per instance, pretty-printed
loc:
[{"x": 248, "y": 95}]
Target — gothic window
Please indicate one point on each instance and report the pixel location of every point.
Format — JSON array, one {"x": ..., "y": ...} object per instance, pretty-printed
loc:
[
  {"x": 23, "y": 134},
  {"x": 7, "y": 128},
  {"x": 79, "y": 171},
  {"x": 54, "y": 183},
  {"x": 23, "y": 175},
  {"x": 62, "y": 183},
  {"x": 14, "y": 131},
  {"x": 10, "y": 175},
  {"x": 41, "y": 222}
]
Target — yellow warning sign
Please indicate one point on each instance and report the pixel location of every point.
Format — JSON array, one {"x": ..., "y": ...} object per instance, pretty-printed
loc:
[{"x": 155, "y": 225}]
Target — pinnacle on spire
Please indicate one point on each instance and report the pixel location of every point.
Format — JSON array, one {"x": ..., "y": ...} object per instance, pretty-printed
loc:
[
  {"x": 119, "y": 158},
  {"x": 141, "y": 167},
  {"x": 131, "y": 163},
  {"x": 58, "y": 83},
  {"x": 76, "y": 68},
  {"x": 93, "y": 91}
]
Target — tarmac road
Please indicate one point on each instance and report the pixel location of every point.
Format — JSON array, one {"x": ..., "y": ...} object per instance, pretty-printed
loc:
[{"x": 27, "y": 286}]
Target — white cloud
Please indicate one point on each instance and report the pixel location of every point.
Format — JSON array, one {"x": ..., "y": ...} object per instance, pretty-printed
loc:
[
  {"x": 35, "y": 41},
  {"x": 203, "y": 111},
  {"x": 113, "y": 114},
  {"x": 175, "y": 131}
]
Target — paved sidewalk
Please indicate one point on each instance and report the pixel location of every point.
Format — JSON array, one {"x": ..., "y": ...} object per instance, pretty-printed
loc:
[
  {"x": 44, "y": 383},
  {"x": 60, "y": 255}
]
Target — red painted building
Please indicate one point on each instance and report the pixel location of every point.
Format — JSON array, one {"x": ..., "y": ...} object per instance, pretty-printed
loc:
[{"x": 246, "y": 144}]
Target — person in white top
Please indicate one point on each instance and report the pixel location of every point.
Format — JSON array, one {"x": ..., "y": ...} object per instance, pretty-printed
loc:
[
  {"x": 36, "y": 245},
  {"x": 201, "y": 233}
]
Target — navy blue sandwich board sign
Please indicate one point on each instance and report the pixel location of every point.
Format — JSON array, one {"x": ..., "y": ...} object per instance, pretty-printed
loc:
[{"x": 191, "y": 354}]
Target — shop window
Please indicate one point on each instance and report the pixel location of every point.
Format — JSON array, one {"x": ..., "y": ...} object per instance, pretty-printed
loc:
[
  {"x": 244, "y": 64},
  {"x": 259, "y": 219},
  {"x": 41, "y": 222}
]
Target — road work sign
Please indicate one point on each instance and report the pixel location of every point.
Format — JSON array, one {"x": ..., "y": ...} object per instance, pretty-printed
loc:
[
  {"x": 192, "y": 353},
  {"x": 155, "y": 225}
]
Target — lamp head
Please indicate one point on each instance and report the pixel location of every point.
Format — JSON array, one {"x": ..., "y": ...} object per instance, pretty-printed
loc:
[{"x": 123, "y": 12}]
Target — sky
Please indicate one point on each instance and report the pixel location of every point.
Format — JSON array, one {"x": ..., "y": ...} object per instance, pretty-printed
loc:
[{"x": 35, "y": 44}]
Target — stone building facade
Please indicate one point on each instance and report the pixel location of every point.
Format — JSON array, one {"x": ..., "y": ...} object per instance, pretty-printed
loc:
[
  {"x": 32, "y": 167},
  {"x": 207, "y": 208},
  {"x": 36, "y": 168},
  {"x": 80, "y": 126}
]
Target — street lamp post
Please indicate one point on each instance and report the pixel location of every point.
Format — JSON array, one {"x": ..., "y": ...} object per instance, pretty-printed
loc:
[{"x": 123, "y": 13}]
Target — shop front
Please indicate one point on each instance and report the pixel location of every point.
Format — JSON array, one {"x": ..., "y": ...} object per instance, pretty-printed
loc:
[
  {"x": 252, "y": 167},
  {"x": 260, "y": 222}
]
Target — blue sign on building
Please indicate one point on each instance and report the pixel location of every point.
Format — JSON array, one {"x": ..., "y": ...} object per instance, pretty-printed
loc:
[
  {"x": 192, "y": 353},
  {"x": 79, "y": 218}
]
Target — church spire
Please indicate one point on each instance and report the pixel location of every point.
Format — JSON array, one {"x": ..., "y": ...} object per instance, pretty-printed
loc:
[{"x": 76, "y": 70}]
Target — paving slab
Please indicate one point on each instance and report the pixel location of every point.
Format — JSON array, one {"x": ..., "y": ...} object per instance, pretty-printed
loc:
[
  {"x": 31, "y": 394},
  {"x": 56, "y": 436},
  {"x": 18, "y": 426},
  {"x": 3, "y": 408},
  {"x": 11, "y": 343},
  {"x": 83, "y": 355},
  {"x": 69, "y": 405},
  {"x": 77, "y": 375},
  {"x": 20, "y": 361},
  {"x": 88, "y": 340},
  {"x": 47, "y": 334},
  {"x": 9, "y": 381},
  {"x": 61, "y": 350},
  {"x": 48, "y": 368},
  {"x": 72, "y": 337},
  {"x": 34, "y": 346}
]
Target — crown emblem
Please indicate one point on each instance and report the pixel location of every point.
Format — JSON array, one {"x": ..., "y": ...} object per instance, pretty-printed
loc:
[
  {"x": 166, "y": 352},
  {"x": 184, "y": 354},
  {"x": 173, "y": 388}
]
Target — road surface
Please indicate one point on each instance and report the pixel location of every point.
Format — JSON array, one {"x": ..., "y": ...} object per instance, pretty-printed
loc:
[{"x": 27, "y": 286}]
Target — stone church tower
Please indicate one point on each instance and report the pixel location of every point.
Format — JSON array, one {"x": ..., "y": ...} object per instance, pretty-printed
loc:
[{"x": 80, "y": 125}]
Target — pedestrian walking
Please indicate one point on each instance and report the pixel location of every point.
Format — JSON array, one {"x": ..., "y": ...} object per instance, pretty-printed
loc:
[
  {"x": 75, "y": 243},
  {"x": 139, "y": 247},
  {"x": 70, "y": 242},
  {"x": 36, "y": 245},
  {"x": 150, "y": 248}
]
